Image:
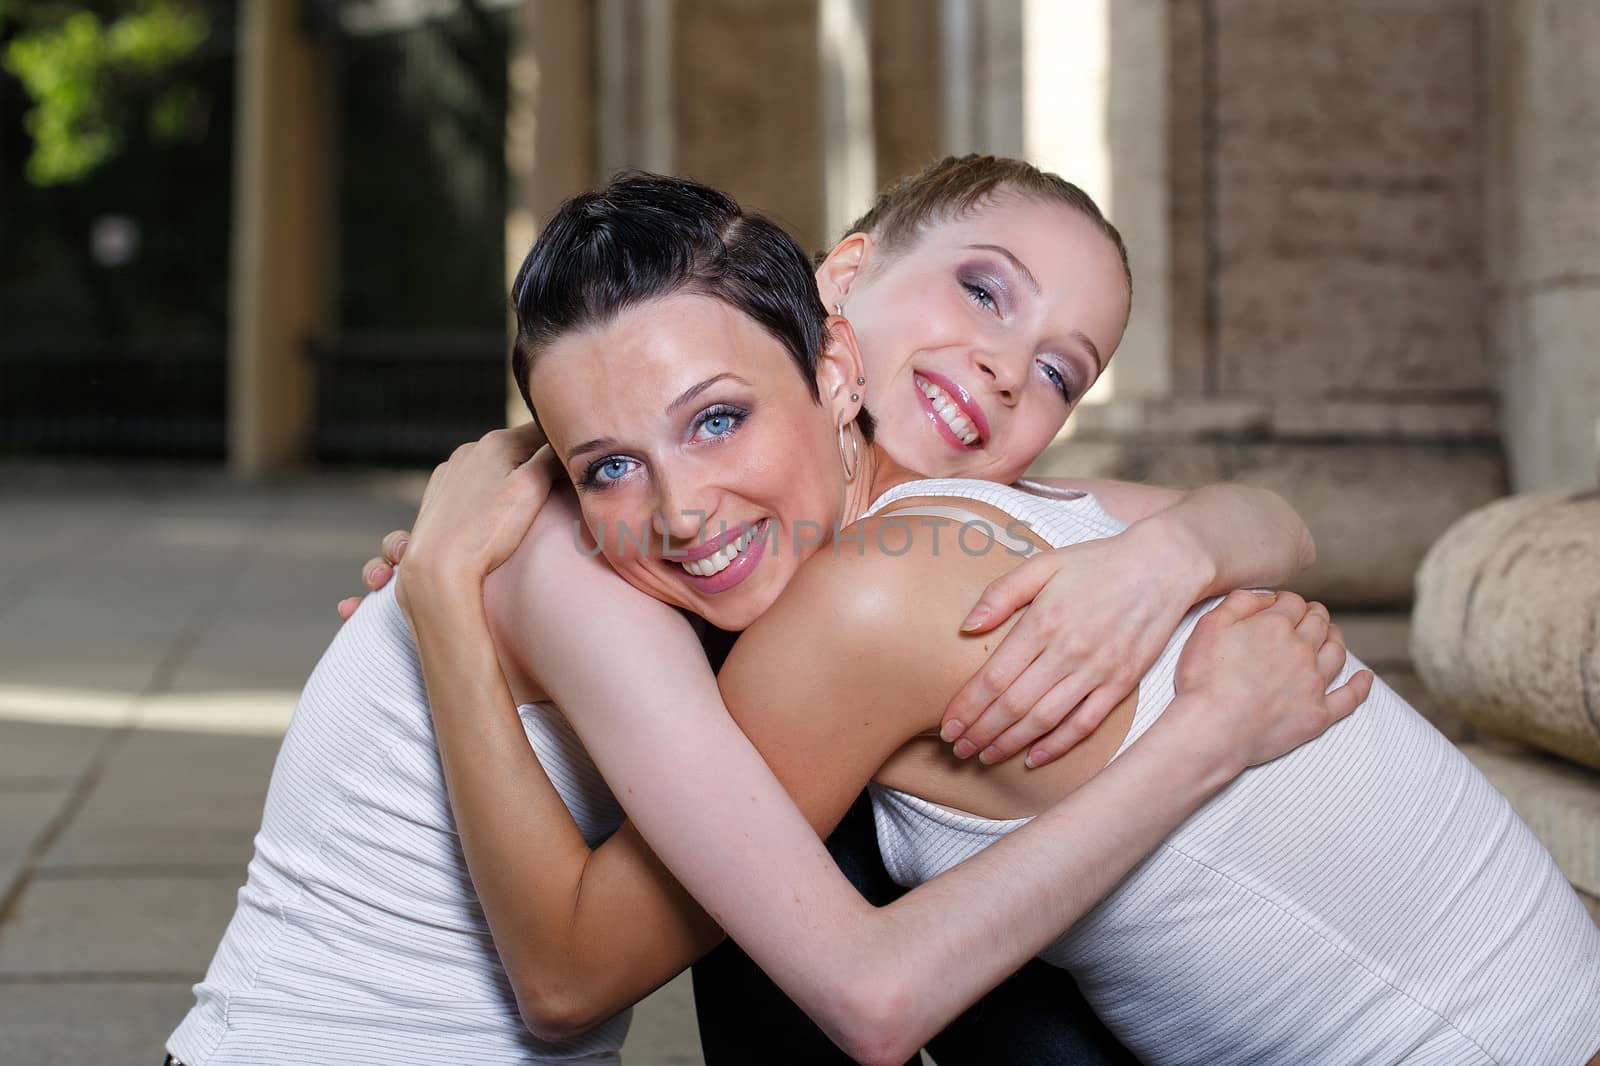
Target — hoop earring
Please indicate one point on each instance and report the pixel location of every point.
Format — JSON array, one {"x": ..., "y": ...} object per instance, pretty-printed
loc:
[
  {"x": 853, "y": 463},
  {"x": 838, "y": 309}
]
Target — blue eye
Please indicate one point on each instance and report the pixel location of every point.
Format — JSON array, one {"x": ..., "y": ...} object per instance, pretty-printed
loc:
[
  {"x": 1055, "y": 378},
  {"x": 979, "y": 295},
  {"x": 719, "y": 421},
  {"x": 603, "y": 472}
]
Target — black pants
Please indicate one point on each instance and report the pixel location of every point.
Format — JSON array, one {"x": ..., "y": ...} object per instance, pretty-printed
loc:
[{"x": 1036, "y": 1018}]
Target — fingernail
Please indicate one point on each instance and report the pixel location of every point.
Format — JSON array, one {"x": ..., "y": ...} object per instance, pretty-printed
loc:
[
  {"x": 976, "y": 618},
  {"x": 964, "y": 748},
  {"x": 989, "y": 755},
  {"x": 952, "y": 731},
  {"x": 1033, "y": 759}
]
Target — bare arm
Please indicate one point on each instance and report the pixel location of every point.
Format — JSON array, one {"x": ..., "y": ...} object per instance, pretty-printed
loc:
[
  {"x": 720, "y": 818},
  {"x": 1240, "y": 536},
  {"x": 1097, "y": 614}
]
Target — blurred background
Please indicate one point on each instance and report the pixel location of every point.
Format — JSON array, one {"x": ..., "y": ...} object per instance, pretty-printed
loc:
[{"x": 253, "y": 268}]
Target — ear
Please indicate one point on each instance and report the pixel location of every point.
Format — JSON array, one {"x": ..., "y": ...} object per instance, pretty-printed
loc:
[
  {"x": 839, "y": 368},
  {"x": 842, "y": 267}
]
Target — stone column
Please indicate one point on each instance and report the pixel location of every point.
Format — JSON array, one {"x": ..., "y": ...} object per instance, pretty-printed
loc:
[
  {"x": 981, "y": 62},
  {"x": 634, "y": 85},
  {"x": 550, "y": 144},
  {"x": 282, "y": 224},
  {"x": 1323, "y": 235},
  {"x": 849, "y": 177},
  {"x": 1506, "y": 628},
  {"x": 1544, "y": 229},
  {"x": 906, "y": 85},
  {"x": 747, "y": 106}
]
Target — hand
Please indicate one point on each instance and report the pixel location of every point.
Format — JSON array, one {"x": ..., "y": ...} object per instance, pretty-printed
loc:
[
  {"x": 1263, "y": 663},
  {"x": 377, "y": 570},
  {"x": 475, "y": 511},
  {"x": 1098, "y": 615}
]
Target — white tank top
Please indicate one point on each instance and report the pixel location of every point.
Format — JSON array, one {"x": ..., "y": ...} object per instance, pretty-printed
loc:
[
  {"x": 1367, "y": 898},
  {"x": 358, "y": 938}
]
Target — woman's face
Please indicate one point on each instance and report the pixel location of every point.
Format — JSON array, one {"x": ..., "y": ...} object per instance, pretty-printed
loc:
[
  {"x": 980, "y": 339},
  {"x": 705, "y": 469}
]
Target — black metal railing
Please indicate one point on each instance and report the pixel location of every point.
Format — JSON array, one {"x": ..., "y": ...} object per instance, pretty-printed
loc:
[
  {"x": 406, "y": 398},
  {"x": 164, "y": 400}
]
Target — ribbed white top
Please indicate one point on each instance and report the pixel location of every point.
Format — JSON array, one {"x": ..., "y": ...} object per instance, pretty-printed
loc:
[
  {"x": 358, "y": 938},
  {"x": 1368, "y": 898}
]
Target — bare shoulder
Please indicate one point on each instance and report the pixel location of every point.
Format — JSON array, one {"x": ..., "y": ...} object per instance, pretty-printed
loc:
[
  {"x": 555, "y": 564},
  {"x": 879, "y": 611}
]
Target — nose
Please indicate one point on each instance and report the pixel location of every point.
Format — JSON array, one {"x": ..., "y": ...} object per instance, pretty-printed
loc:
[
  {"x": 680, "y": 512},
  {"x": 1006, "y": 374}
]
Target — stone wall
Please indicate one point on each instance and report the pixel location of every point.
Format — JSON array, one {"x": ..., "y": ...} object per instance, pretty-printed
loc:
[
  {"x": 1544, "y": 227},
  {"x": 1326, "y": 260}
]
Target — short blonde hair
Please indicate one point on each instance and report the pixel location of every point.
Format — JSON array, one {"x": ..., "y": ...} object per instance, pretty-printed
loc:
[{"x": 957, "y": 185}]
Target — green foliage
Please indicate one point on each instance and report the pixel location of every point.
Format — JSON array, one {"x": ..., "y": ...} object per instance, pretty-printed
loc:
[{"x": 76, "y": 72}]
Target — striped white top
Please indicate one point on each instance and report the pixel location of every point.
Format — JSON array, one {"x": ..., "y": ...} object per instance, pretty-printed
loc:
[
  {"x": 358, "y": 938},
  {"x": 1368, "y": 898}
]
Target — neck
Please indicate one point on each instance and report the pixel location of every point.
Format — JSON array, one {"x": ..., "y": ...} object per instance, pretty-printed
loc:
[{"x": 878, "y": 474}]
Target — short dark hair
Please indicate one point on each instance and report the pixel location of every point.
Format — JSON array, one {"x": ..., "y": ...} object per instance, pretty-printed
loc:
[{"x": 646, "y": 236}]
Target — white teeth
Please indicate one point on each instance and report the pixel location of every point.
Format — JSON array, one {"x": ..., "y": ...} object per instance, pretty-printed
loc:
[
  {"x": 718, "y": 561},
  {"x": 947, "y": 409}
]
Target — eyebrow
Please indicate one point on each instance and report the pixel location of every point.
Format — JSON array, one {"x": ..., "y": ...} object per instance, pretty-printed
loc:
[
  {"x": 1027, "y": 275},
  {"x": 1083, "y": 338},
  {"x": 685, "y": 397}
]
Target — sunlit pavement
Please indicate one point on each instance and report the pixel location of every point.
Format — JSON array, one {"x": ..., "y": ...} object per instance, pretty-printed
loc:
[{"x": 155, "y": 627}]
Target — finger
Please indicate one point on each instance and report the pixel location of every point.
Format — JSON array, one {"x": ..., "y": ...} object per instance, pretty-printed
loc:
[
  {"x": 1240, "y": 604},
  {"x": 1032, "y": 707},
  {"x": 528, "y": 437},
  {"x": 1343, "y": 701},
  {"x": 347, "y": 607},
  {"x": 1009, "y": 593},
  {"x": 1009, "y": 707},
  {"x": 435, "y": 479},
  {"x": 538, "y": 474},
  {"x": 1289, "y": 604},
  {"x": 1331, "y": 657},
  {"x": 1083, "y": 720},
  {"x": 1313, "y": 628},
  {"x": 1005, "y": 664},
  {"x": 376, "y": 574},
  {"x": 394, "y": 545},
  {"x": 514, "y": 445}
]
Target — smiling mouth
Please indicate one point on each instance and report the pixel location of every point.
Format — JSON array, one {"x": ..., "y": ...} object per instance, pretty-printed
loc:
[
  {"x": 950, "y": 413},
  {"x": 720, "y": 560}
]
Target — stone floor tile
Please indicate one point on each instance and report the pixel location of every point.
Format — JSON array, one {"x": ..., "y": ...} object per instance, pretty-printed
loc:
[
  {"x": 256, "y": 647},
  {"x": 109, "y": 926},
  {"x": 90, "y": 1023},
  {"x": 170, "y": 798},
  {"x": 24, "y": 818},
  {"x": 664, "y": 1032},
  {"x": 40, "y": 753}
]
